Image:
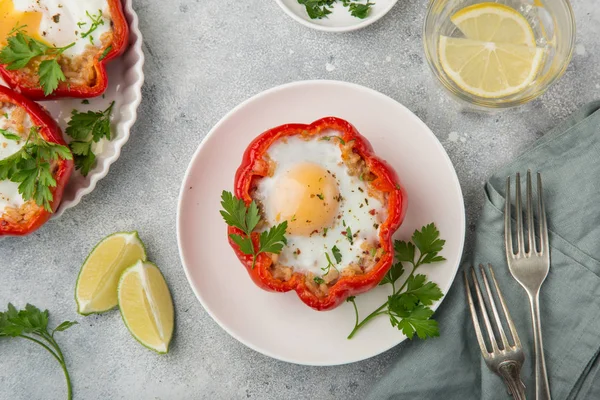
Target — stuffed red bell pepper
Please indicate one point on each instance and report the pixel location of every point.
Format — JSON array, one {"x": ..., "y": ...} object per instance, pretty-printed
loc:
[
  {"x": 57, "y": 49},
  {"x": 320, "y": 209},
  {"x": 35, "y": 164}
]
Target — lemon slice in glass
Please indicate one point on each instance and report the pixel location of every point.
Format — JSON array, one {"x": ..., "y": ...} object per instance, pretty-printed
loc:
[
  {"x": 487, "y": 69},
  {"x": 146, "y": 306},
  {"x": 493, "y": 22},
  {"x": 96, "y": 288}
]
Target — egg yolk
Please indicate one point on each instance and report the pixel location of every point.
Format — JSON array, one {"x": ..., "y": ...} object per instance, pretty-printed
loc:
[
  {"x": 11, "y": 19},
  {"x": 307, "y": 197}
]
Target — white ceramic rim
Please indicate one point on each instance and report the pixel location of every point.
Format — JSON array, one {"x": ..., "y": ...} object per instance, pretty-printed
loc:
[
  {"x": 123, "y": 127},
  {"x": 338, "y": 29},
  {"x": 184, "y": 184}
]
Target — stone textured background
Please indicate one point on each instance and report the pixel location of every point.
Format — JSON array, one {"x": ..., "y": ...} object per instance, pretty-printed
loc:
[{"x": 203, "y": 58}]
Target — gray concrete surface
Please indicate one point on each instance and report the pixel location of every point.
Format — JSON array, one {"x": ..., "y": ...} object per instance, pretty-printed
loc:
[{"x": 203, "y": 58}]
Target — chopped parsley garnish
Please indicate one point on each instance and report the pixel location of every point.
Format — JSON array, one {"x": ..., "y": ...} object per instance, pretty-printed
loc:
[
  {"x": 318, "y": 9},
  {"x": 22, "y": 48},
  {"x": 85, "y": 129},
  {"x": 31, "y": 168},
  {"x": 318, "y": 280},
  {"x": 97, "y": 20},
  {"x": 349, "y": 235},
  {"x": 8, "y": 135},
  {"x": 337, "y": 255},
  {"x": 105, "y": 53},
  {"x": 408, "y": 307},
  {"x": 238, "y": 215},
  {"x": 328, "y": 138}
]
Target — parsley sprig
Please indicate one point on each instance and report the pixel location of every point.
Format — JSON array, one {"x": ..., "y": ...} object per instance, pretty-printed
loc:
[
  {"x": 88, "y": 128},
  {"x": 32, "y": 324},
  {"x": 31, "y": 168},
  {"x": 319, "y": 9},
  {"x": 22, "y": 48},
  {"x": 237, "y": 214},
  {"x": 408, "y": 306}
]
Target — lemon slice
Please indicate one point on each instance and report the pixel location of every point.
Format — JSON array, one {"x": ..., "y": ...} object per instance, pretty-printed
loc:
[
  {"x": 487, "y": 69},
  {"x": 96, "y": 288},
  {"x": 493, "y": 22},
  {"x": 146, "y": 306}
]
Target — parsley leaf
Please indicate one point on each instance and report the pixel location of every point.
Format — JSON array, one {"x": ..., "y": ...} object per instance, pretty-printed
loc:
[
  {"x": 32, "y": 324},
  {"x": 273, "y": 240},
  {"x": 9, "y": 136},
  {"x": 349, "y": 235},
  {"x": 393, "y": 274},
  {"x": 417, "y": 320},
  {"x": 337, "y": 254},
  {"x": 30, "y": 167},
  {"x": 318, "y": 9},
  {"x": 408, "y": 306},
  {"x": 50, "y": 75},
  {"x": 86, "y": 128},
  {"x": 21, "y": 49},
  {"x": 360, "y": 10},
  {"x": 246, "y": 218},
  {"x": 427, "y": 240}
]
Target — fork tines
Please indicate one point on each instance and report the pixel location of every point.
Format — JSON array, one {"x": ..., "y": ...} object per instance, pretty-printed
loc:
[
  {"x": 494, "y": 342},
  {"x": 542, "y": 225}
]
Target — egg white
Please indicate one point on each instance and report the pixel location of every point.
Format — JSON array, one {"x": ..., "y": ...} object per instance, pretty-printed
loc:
[
  {"x": 292, "y": 151},
  {"x": 70, "y": 13},
  {"x": 9, "y": 191}
]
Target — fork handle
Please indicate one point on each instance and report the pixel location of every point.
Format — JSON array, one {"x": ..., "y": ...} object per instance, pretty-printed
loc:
[
  {"x": 511, "y": 372},
  {"x": 542, "y": 387}
]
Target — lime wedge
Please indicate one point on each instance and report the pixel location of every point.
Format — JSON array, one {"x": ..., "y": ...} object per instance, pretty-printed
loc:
[
  {"x": 146, "y": 306},
  {"x": 96, "y": 288}
]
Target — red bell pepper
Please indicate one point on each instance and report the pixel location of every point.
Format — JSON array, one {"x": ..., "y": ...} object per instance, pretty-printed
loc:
[
  {"x": 50, "y": 132},
  {"x": 254, "y": 167},
  {"x": 23, "y": 83}
]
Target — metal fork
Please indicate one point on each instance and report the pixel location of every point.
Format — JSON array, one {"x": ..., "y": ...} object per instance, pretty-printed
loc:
[
  {"x": 530, "y": 266},
  {"x": 504, "y": 360}
]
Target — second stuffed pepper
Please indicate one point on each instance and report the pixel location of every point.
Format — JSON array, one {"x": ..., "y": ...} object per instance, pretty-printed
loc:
[
  {"x": 35, "y": 164},
  {"x": 57, "y": 49}
]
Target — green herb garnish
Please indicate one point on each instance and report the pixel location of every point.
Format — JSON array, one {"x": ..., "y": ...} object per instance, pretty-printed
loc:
[
  {"x": 105, "y": 53},
  {"x": 31, "y": 168},
  {"x": 9, "y": 135},
  {"x": 318, "y": 280},
  {"x": 337, "y": 255},
  {"x": 32, "y": 324},
  {"x": 408, "y": 306},
  {"x": 349, "y": 235},
  {"x": 85, "y": 129},
  {"x": 97, "y": 20},
  {"x": 237, "y": 214},
  {"x": 328, "y": 138},
  {"x": 318, "y": 9},
  {"x": 22, "y": 48}
]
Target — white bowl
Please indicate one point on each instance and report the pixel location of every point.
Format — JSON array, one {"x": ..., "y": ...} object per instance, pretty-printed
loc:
[{"x": 340, "y": 19}]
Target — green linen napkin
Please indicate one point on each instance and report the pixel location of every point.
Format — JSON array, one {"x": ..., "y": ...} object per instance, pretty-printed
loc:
[{"x": 450, "y": 367}]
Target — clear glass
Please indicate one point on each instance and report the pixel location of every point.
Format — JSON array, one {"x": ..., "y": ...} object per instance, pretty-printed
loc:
[{"x": 553, "y": 25}]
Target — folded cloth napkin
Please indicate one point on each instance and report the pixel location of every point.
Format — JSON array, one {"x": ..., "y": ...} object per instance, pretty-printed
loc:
[{"x": 451, "y": 367}]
